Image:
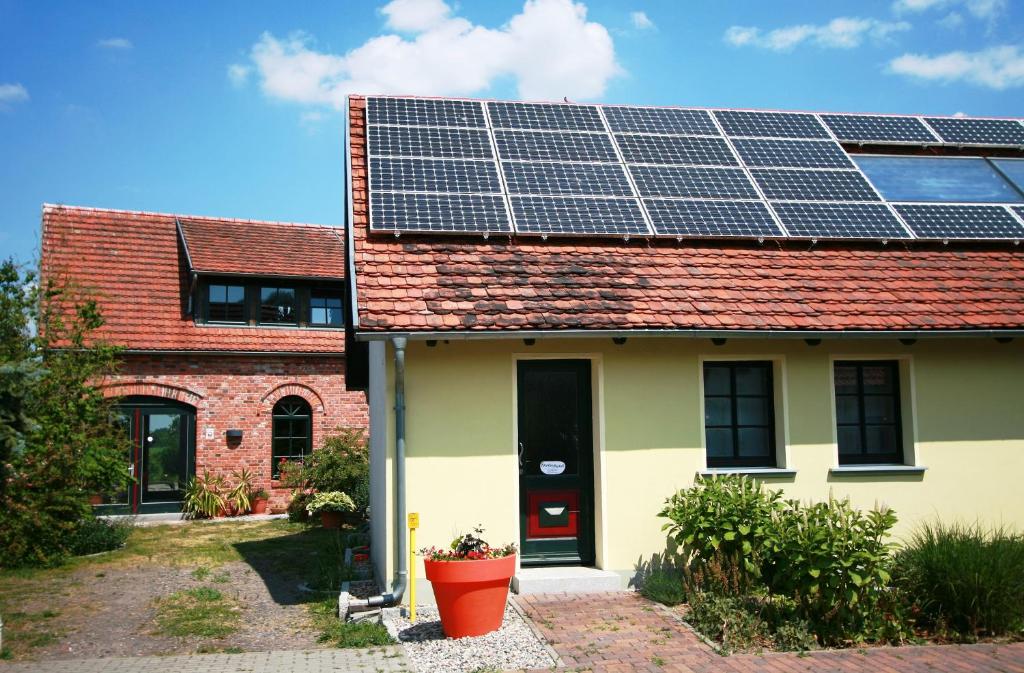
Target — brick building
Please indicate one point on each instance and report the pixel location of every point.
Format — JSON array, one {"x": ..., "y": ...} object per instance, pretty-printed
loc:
[{"x": 233, "y": 337}]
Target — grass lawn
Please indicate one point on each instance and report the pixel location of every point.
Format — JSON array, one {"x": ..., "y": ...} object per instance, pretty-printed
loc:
[{"x": 195, "y": 587}]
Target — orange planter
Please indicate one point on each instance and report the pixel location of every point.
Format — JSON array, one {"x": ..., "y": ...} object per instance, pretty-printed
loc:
[
  {"x": 331, "y": 520},
  {"x": 470, "y": 595}
]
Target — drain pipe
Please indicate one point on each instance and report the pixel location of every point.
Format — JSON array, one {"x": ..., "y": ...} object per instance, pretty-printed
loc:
[{"x": 402, "y": 572}]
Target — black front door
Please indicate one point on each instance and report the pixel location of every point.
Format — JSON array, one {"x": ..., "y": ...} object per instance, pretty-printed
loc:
[
  {"x": 556, "y": 462},
  {"x": 161, "y": 455}
]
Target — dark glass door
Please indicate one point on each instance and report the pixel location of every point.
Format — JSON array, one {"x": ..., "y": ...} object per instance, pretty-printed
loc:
[
  {"x": 161, "y": 455},
  {"x": 556, "y": 470}
]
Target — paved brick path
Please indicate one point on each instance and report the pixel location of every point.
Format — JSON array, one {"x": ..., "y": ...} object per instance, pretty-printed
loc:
[
  {"x": 623, "y": 632},
  {"x": 376, "y": 660}
]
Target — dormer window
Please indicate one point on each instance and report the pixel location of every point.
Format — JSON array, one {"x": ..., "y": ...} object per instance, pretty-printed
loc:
[
  {"x": 278, "y": 306},
  {"x": 226, "y": 303},
  {"x": 324, "y": 308}
]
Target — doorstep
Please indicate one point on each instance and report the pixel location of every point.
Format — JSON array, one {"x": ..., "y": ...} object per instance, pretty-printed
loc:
[{"x": 565, "y": 579}]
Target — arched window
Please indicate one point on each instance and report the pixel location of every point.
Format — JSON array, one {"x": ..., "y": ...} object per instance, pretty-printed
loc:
[{"x": 292, "y": 432}]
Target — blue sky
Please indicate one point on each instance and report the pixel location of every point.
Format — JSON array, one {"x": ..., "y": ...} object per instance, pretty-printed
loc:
[{"x": 233, "y": 108}]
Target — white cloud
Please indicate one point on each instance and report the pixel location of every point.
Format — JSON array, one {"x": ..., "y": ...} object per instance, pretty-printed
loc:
[
  {"x": 959, "y": 114},
  {"x": 641, "y": 21},
  {"x": 414, "y": 16},
  {"x": 238, "y": 74},
  {"x": 996, "y": 67},
  {"x": 951, "y": 20},
  {"x": 840, "y": 33},
  {"x": 115, "y": 43},
  {"x": 12, "y": 93},
  {"x": 549, "y": 49},
  {"x": 982, "y": 9}
]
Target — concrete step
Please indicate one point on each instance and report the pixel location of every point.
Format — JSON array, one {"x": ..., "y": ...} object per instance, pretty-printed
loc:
[{"x": 565, "y": 579}]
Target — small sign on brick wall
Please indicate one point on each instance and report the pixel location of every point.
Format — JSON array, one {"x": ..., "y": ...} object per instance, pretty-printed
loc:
[{"x": 209, "y": 433}]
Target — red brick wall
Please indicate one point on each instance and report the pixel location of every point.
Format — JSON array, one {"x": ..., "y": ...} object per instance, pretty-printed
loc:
[{"x": 236, "y": 391}]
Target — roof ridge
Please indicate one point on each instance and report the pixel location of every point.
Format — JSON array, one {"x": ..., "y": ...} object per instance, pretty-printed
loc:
[{"x": 50, "y": 207}]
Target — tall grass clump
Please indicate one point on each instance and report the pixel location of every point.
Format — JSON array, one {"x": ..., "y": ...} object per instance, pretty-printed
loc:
[{"x": 964, "y": 581}]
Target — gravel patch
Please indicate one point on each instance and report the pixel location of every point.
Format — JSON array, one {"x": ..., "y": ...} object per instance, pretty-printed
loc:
[{"x": 513, "y": 646}]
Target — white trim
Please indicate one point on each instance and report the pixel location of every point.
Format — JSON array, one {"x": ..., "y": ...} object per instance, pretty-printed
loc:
[
  {"x": 780, "y": 409},
  {"x": 877, "y": 470},
  {"x": 765, "y": 472},
  {"x": 600, "y": 528},
  {"x": 908, "y": 403}
]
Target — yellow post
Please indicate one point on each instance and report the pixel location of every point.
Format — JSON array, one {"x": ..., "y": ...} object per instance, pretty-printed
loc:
[{"x": 414, "y": 523}]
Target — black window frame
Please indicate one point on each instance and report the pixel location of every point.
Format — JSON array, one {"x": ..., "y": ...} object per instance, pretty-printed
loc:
[
  {"x": 277, "y": 287},
  {"x": 771, "y": 460},
  {"x": 279, "y": 413},
  {"x": 866, "y": 456},
  {"x": 209, "y": 303},
  {"x": 326, "y": 293}
]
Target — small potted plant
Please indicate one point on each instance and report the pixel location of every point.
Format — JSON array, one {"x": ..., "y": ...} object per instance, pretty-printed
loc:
[
  {"x": 332, "y": 506},
  {"x": 470, "y": 581},
  {"x": 259, "y": 501},
  {"x": 204, "y": 497},
  {"x": 240, "y": 497}
]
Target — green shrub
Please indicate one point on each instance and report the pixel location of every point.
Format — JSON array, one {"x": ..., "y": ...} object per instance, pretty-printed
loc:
[
  {"x": 339, "y": 464},
  {"x": 726, "y": 515},
  {"x": 964, "y": 581},
  {"x": 722, "y": 575},
  {"x": 297, "y": 507},
  {"x": 93, "y": 536},
  {"x": 733, "y": 621},
  {"x": 664, "y": 585},
  {"x": 330, "y": 501},
  {"x": 834, "y": 561}
]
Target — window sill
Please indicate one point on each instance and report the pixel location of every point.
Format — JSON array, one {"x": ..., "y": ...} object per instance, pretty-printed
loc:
[
  {"x": 749, "y": 471},
  {"x": 876, "y": 470}
]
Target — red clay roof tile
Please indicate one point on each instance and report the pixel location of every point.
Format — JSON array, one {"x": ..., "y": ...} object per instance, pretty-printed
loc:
[
  {"x": 434, "y": 283},
  {"x": 135, "y": 264}
]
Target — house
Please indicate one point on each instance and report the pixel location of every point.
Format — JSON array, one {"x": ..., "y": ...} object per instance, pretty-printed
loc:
[
  {"x": 233, "y": 341},
  {"x": 573, "y": 311}
]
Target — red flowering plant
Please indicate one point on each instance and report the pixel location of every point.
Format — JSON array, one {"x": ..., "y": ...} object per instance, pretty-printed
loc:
[{"x": 468, "y": 547}]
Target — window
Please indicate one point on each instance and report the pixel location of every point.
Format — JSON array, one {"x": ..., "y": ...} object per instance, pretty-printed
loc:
[
  {"x": 739, "y": 414},
  {"x": 277, "y": 306},
  {"x": 939, "y": 179},
  {"x": 226, "y": 303},
  {"x": 292, "y": 432},
  {"x": 324, "y": 309},
  {"x": 868, "y": 412}
]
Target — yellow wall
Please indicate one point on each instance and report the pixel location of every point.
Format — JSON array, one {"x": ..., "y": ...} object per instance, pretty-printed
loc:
[{"x": 963, "y": 408}]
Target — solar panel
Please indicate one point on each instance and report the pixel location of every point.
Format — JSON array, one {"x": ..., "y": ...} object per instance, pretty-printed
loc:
[
  {"x": 978, "y": 131},
  {"x": 787, "y": 184},
  {"x": 878, "y": 128},
  {"x": 770, "y": 124},
  {"x": 433, "y": 175},
  {"x": 577, "y": 215},
  {"x": 541, "y": 146},
  {"x": 479, "y": 213},
  {"x": 412, "y": 141},
  {"x": 672, "y": 217},
  {"x": 546, "y": 116},
  {"x": 693, "y": 181},
  {"x": 424, "y": 112},
  {"x": 792, "y": 153},
  {"x": 839, "y": 220},
  {"x": 639, "y": 149},
  {"x": 557, "y": 178},
  {"x": 960, "y": 221},
  {"x": 667, "y": 121}
]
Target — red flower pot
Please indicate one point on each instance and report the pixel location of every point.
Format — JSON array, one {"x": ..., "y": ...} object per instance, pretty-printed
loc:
[
  {"x": 331, "y": 519},
  {"x": 471, "y": 595},
  {"x": 259, "y": 506}
]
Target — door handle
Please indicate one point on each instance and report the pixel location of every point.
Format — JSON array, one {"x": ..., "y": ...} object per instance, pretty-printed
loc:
[{"x": 131, "y": 470}]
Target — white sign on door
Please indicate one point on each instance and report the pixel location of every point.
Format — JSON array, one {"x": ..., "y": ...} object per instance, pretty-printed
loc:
[{"x": 552, "y": 466}]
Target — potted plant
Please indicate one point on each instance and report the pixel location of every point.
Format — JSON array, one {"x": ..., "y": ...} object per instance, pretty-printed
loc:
[
  {"x": 332, "y": 507},
  {"x": 204, "y": 497},
  {"x": 470, "y": 582},
  {"x": 259, "y": 501},
  {"x": 240, "y": 497}
]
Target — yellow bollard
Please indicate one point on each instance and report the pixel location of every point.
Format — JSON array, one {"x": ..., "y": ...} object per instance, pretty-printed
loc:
[{"x": 414, "y": 523}]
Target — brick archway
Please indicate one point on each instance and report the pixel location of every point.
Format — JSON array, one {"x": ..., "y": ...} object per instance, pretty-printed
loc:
[
  {"x": 151, "y": 389},
  {"x": 271, "y": 397}
]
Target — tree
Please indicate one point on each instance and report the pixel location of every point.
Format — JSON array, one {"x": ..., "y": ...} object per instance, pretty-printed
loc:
[{"x": 59, "y": 441}]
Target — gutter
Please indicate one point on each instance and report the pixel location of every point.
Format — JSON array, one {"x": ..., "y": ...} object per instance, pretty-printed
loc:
[
  {"x": 394, "y": 597},
  {"x": 350, "y": 251},
  {"x": 461, "y": 335}
]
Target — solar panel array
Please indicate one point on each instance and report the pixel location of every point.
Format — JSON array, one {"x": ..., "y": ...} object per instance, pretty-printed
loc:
[{"x": 463, "y": 166}]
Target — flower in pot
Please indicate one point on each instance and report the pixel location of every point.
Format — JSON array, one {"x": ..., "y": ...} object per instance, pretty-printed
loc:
[
  {"x": 259, "y": 501},
  {"x": 240, "y": 497},
  {"x": 470, "y": 581},
  {"x": 205, "y": 497},
  {"x": 332, "y": 506}
]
